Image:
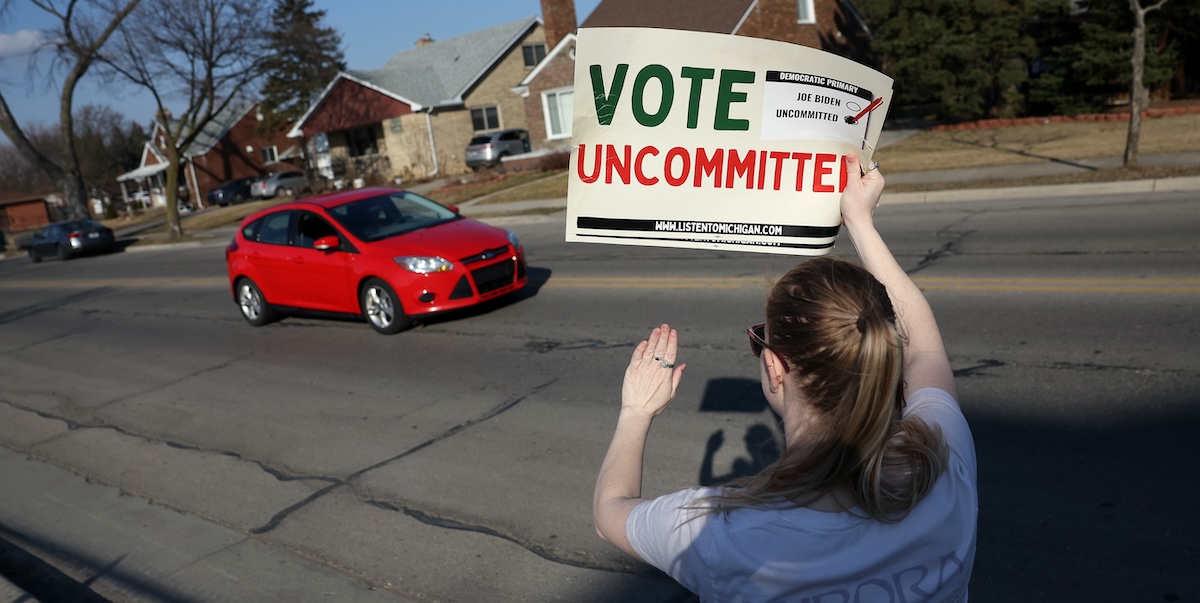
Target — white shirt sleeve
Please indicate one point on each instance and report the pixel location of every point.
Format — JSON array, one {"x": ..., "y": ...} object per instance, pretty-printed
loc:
[
  {"x": 662, "y": 535},
  {"x": 941, "y": 409}
]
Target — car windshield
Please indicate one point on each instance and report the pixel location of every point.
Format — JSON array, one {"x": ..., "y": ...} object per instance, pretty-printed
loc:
[
  {"x": 377, "y": 218},
  {"x": 480, "y": 140}
]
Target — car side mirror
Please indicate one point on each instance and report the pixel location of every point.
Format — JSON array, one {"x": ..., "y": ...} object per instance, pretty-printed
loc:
[
  {"x": 453, "y": 208},
  {"x": 329, "y": 243}
]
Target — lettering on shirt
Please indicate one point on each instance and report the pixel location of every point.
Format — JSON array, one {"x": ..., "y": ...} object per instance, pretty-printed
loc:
[{"x": 917, "y": 583}]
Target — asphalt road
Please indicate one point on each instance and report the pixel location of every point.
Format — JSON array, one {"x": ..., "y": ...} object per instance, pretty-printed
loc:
[{"x": 455, "y": 462}]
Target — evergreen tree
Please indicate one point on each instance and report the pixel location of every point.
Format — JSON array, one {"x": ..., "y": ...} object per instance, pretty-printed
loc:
[
  {"x": 1084, "y": 62},
  {"x": 304, "y": 58},
  {"x": 967, "y": 58}
]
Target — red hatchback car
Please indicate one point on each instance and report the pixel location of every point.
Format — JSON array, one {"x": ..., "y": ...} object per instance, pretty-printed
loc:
[{"x": 389, "y": 255}]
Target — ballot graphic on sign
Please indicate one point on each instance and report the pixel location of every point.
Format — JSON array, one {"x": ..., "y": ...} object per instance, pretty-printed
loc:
[
  {"x": 712, "y": 141},
  {"x": 805, "y": 106}
]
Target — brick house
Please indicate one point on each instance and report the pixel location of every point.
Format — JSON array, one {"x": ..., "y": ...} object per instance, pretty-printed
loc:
[
  {"x": 413, "y": 117},
  {"x": 231, "y": 145},
  {"x": 22, "y": 212},
  {"x": 831, "y": 25}
]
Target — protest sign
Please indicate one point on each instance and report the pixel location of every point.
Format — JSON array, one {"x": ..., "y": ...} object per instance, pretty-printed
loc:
[{"x": 712, "y": 141}]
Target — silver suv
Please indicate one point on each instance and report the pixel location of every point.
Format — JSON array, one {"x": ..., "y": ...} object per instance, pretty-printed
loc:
[
  {"x": 278, "y": 183},
  {"x": 489, "y": 148}
]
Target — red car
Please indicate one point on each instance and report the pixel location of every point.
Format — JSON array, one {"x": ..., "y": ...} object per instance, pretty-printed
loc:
[{"x": 389, "y": 255}]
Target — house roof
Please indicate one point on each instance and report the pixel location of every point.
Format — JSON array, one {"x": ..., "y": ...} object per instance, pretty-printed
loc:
[
  {"x": 442, "y": 73},
  {"x": 216, "y": 128},
  {"x": 567, "y": 42},
  {"x": 14, "y": 198},
  {"x": 716, "y": 16},
  {"x": 143, "y": 172}
]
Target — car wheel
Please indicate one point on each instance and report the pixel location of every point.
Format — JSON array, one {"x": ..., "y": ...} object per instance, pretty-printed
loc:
[
  {"x": 33, "y": 255},
  {"x": 381, "y": 307},
  {"x": 287, "y": 192},
  {"x": 63, "y": 254},
  {"x": 238, "y": 198},
  {"x": 253, "y": 305}
]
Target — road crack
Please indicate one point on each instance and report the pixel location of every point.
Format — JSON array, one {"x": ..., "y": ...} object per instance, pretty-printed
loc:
[
  {"x": 577, "y": 559},
  {"x": 950, "y": 247},
  {"x": 336, "y": 483}
]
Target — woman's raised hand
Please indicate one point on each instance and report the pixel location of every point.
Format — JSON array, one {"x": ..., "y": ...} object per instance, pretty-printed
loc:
[
  {"x": 653, "y": 376},
  {"x": 861, "y": 196}
]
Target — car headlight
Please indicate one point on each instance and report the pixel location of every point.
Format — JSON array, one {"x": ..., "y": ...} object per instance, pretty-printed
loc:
[
  {"x": 425, "y": 264},
  {"x": 512, "y": 238}
]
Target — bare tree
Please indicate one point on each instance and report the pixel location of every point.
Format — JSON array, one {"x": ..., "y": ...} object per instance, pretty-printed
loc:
[
  {"x": 17, "y": 171},
  {"x": 82, "y": 31},
  {"x": 1139, "y": 95},
  {"x": 107, "y": 144},
  {"x": 199, "y": 54},
  {"x": 103, "y": 137}
]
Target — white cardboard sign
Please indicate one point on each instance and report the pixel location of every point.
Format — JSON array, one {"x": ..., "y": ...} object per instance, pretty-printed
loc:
[{"x": 712, "y": 141}]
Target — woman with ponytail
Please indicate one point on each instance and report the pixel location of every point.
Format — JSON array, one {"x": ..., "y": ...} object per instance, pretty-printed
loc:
[{"x": 874, "y": 497}]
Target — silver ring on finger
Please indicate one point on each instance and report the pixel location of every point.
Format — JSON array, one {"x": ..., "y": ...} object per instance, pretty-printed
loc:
[
  {"x": 874, "y": 166},
  {"x": 663, "y": 363}
]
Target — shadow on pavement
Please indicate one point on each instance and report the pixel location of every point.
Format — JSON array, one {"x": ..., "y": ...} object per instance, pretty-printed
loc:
[{"x": 44, "y": 582}]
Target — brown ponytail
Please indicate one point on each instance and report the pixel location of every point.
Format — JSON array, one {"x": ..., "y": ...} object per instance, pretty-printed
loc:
[{"x": 834, "y": 324}]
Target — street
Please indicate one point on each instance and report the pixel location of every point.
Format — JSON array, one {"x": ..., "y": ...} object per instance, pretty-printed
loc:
[{"x": 455, "y": 461}]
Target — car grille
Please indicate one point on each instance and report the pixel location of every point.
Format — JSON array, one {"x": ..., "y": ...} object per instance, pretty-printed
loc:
[
  {"x": 490, "y": 278},
  {"x": 484, "y": 255}
]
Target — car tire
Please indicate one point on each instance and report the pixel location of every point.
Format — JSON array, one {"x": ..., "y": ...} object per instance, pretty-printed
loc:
[
  {"x": 63, "y": 254},
  {"x": 287, "y": 192},
  {"x": 381, "y": 308},
  {"x": 252, "y": 303},
  {"x": 33, "y": 255},
  {"x": 238, "y": 198}
]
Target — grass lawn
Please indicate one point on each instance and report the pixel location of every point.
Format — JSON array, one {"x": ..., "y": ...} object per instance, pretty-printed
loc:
[
  {"x": 1037, "y": 143},
  {"x": 458, "y": 193},
  {"x": 931, "y": 150}
]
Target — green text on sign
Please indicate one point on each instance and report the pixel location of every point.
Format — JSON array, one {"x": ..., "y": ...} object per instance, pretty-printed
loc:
[{"x": 608, "y": 98}]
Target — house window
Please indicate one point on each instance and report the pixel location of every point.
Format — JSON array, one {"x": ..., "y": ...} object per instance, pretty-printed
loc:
[
  {"x": 805, "y": 10},
  {"x": 270, "y": 154},
  {"x": 559, "y": 107},
  {"x": 485, "y": 118},
  {"x": 362, "y": 141},
  {"x": 534, "y": 53}
]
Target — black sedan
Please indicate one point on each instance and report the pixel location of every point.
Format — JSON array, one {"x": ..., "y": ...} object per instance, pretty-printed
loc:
[
  {"x": 232, "y": 192},
  {"x": 66, "y": 240}
]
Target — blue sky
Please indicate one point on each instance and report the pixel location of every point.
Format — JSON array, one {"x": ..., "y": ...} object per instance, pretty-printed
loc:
[{"x": 372, "y": 31}]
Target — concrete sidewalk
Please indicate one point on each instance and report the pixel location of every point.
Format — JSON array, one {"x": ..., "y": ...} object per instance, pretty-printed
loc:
[{"x": 66, "y": 538}]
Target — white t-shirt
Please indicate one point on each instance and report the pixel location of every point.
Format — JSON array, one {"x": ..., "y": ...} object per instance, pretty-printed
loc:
[{"x": 805, "y": 556}]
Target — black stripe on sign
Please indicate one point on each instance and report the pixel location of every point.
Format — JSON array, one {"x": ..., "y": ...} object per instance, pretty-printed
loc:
[
  {"x": 807, "y": 79},
  {"x": 713, "y": 241},
  {"x": 811, "y": 232}
]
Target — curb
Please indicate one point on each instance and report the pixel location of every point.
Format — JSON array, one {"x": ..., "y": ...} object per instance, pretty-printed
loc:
[{"x": 1155, "y": 185}]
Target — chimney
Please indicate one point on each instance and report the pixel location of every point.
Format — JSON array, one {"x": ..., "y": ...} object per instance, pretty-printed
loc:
[
  {"x": 558, "y": 17},
  {"x": 425, "y": 40}
]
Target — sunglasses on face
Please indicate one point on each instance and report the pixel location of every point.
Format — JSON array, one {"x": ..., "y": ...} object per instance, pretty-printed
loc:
[{"x": 758, "y": 341}]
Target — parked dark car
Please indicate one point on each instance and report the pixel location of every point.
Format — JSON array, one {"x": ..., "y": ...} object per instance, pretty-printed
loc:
[
  {"x": 231, "y": 193},
  {"x": 388, "y": 255},
  {"x": 72, "y": 238},
  {"x": 278, "y": 183},
  {"x": 490, "y": 148}
]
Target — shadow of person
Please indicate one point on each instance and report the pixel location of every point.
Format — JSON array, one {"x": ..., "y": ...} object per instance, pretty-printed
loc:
[{"x": 761, "y": 444}]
